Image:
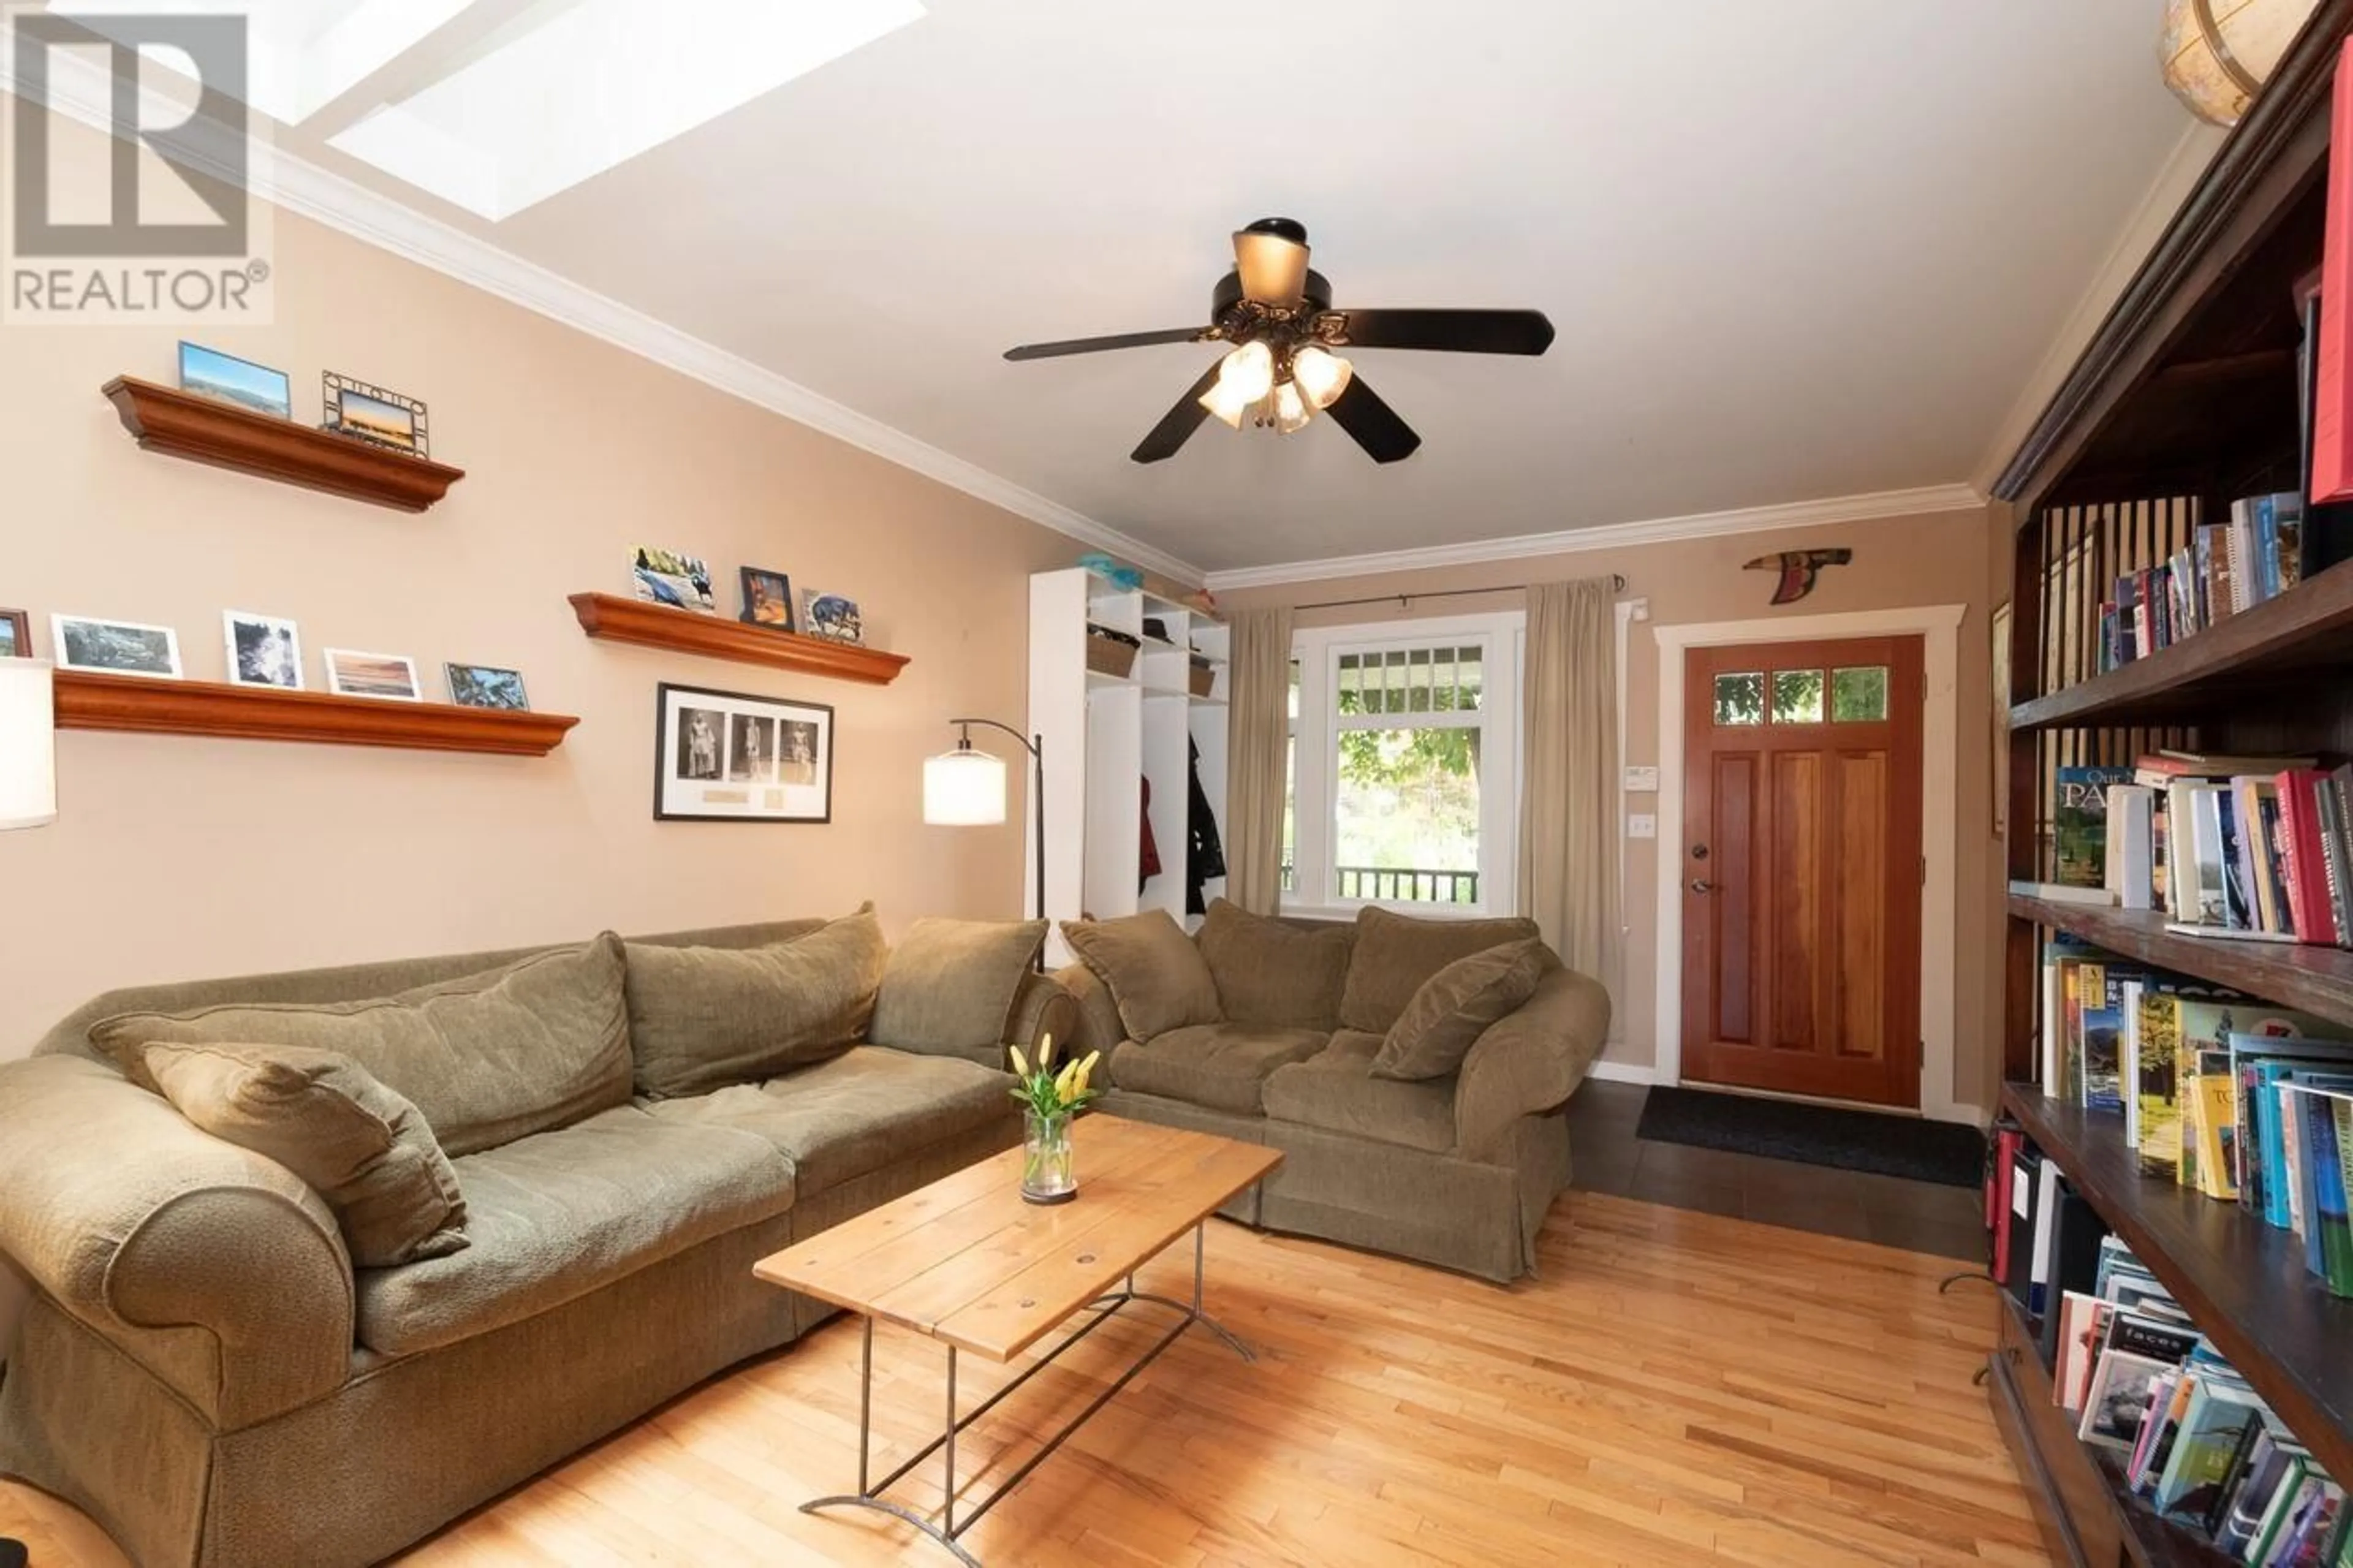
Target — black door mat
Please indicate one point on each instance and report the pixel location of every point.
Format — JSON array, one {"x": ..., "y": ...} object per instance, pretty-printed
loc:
[{"x": 1941, "y": 1152}]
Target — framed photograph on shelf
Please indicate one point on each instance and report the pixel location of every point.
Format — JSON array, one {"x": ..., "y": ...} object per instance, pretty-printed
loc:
[
  {"x": 832, "y": 616},
  {"x": 486, "y": 686},
  {"x": 730, "y": 756},
  {"x": 263, "y": 650},
  {"x": 767, "y": 598},
  {"x": 115, "y": 648},
  {"x": 15, "y": 635},
  {"x": 389, "y": 676},
  {"x": 209, "y": 372},
  {"x": 666, "y": 577},
  {"x": 371, "y": 414}
]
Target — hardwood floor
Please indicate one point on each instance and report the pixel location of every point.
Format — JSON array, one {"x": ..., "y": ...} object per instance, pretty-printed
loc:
[{"x": 1678, "y": 1387}]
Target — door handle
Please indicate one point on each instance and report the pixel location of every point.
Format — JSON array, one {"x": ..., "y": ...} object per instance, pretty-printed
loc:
[{"x": 1702, "y": 885}]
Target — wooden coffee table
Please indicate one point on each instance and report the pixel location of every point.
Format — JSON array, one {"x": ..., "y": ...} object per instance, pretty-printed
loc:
[{"x": 967, "y": 1262}]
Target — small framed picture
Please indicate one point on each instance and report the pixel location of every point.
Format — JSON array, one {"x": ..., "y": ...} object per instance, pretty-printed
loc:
[
  {"x": 371, "y": 414},
  {"x": 15, "y": 635},
  {"x": 831, "y": 615},
  {"x": 730, "y": 756},
  {"x": 212, "y": 374},
  {"x": 486, "y": 686},
  {"x": 767, "y": 598},
  {"x": 262, "y": 650},
  {"x": 116, "y": 647},
  {"x": 389, "y": 676},
  {"x": 666, "y": 577}
]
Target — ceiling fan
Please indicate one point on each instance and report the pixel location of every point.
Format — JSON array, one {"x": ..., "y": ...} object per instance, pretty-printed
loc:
[{"x": 1281, "y": 371}]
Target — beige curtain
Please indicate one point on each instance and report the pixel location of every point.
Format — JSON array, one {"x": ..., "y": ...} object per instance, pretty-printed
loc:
[
  {"x": 1258, "y": 743},
  {"x": 1569, "y": 811}
]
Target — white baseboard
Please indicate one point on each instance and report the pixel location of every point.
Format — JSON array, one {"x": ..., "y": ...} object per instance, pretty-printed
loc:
[{"x": 1623, "y": 1072}]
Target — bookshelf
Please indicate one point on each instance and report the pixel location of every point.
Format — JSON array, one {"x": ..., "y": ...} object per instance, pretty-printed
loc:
[{"x": 2187, "y": 396}]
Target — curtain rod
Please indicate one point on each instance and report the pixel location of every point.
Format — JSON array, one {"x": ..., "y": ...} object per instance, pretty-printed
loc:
[{"x": 1617, "y": 585}]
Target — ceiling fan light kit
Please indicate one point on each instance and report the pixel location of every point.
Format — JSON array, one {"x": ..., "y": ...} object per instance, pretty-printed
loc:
[{"x": 1282, "y": 371}]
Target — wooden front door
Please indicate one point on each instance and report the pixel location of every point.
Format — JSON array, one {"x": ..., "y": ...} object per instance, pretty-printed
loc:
[{"x": 1802, "y": 868}]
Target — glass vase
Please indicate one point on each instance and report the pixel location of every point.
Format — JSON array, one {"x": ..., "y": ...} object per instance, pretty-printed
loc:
[{"x": 1048, "y": 1172}]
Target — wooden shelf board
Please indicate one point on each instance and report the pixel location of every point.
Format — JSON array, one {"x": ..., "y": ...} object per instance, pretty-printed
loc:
[
  {"x": 609, "y": 617},
  {"x": 2316, "y": 979},
  {"x": 207, "y": 430},
  {"x": 86, "y": 701},
  {"x": 2310, "y": 627},
  {"x": 2243, "y": 1282}
]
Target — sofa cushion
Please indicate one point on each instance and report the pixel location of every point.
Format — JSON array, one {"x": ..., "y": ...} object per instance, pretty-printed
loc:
[
  {"x": 704, "y": 1017},
  {"x": 1220, "y": 1066},
  {"x": 949, "y": 986},
  {"x": 856, "y": 1113},
  {"x": 1337, "y": 1093},
  {"x": 1267, "y": 972},
  {"x": 490, "y": 1057},
  {"x": 354, "y": 1143},
  {"x": 557, "y": 1214},
  {"x": 1396, "y": 955},
  {"x": 1155, "y": 974},
  {"x": 1455, "y": 1006}
]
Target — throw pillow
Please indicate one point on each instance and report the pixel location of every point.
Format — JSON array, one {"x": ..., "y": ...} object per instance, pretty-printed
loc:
[
  {"x": 1156, "y": 977},
  {"x": 323, "y": 1115},
  {"x": 1274, "y": 974},
  {"x": 1455, "y": 1006},
  {"x": 704, "y": 1017},
  {"x": 1397, "y": 954},
  {"x": 949, "y": 985},
  {"x": 537, "y": 1044}
]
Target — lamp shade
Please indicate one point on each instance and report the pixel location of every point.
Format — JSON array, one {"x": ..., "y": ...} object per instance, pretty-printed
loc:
[
  {"x": 964, "y": 788},
  {"x": 29, "y": 745}
]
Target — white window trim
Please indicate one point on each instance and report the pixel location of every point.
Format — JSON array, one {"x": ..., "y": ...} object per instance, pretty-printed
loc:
[{"x": 1318, "y": 651}]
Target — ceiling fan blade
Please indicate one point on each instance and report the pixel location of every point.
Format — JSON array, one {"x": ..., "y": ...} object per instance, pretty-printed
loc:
[
  {"x": 1097, "y": 345},
  {"x": 1375, "y": 426},
  {"x": 1449, "y": 332},
  {"x": 1178, "y": 424}
]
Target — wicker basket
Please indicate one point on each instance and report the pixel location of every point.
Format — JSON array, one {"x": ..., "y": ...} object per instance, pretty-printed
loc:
[
  {"x": 1109, "y": 653},
  {"x": 1204, "y": 676}
]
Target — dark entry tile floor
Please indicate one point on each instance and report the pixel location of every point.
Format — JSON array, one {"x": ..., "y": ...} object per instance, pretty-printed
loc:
[{"x": 1605, "y": 1157}]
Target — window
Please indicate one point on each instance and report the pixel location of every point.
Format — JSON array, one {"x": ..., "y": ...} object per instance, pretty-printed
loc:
[{"x": 1405, "y": 765}]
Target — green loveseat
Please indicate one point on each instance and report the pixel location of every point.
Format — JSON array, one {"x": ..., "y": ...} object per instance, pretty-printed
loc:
[
  {"x": 1457, "y": 1169},
  {"x": 203, "y": 1372}
]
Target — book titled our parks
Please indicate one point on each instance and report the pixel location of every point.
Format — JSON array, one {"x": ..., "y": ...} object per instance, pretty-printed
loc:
[{"x": 2080, "y": 823}]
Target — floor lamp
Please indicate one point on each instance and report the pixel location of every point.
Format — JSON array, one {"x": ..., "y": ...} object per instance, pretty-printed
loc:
[{"x": 965, "y": 788}]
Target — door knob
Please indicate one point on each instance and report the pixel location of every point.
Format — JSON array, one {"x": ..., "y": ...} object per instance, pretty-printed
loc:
[{"x": 1702, "y": 885}]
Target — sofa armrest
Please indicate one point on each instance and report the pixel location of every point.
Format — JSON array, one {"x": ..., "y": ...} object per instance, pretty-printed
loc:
[
  {"x": 1530, "y": 1061},
  {"x": 1099, "y": 1028},
  {"x": 217, "y": 1270},
  {"x": 1042, "y": 1008}
]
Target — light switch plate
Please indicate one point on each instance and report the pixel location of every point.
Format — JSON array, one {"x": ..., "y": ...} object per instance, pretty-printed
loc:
[
  {"x": 1642, "y": 781},
  {"x": 1642, "y": 825}
]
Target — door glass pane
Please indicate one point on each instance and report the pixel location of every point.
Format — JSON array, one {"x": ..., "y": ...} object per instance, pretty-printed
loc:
[
  {"x": 1740, "y": 699},
  {"x": 1407, "y": 827},
  {"x": 1467, "y": 679},
  {"x": 1797, "y": 697},
  {"x": 1859, "y": 696}
]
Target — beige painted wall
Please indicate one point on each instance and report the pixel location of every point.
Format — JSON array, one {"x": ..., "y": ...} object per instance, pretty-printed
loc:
[
  {"x": 176, "y": 857},
  {"x": 1945, "y": 559}
]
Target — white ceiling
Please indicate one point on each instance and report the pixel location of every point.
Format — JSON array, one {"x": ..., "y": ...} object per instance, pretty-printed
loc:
[{"x": 1794, "y": 248}]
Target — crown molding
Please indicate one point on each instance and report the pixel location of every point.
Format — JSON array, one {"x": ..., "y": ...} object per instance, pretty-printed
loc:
[
  {"x": 296, "y": 184},
  {"x": 1874, "y": 506}
]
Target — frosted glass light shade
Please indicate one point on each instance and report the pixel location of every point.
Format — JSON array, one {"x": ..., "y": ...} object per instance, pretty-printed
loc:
[
  {"x": 1322, "y": 376},
  {"x": 1226, "y": 404},
  {"x": 964, "y": 788},
  {"x": 1246, "y": 374},
  {"x": 28, "y": 740},
  {"x": 1291, "y": 410}
]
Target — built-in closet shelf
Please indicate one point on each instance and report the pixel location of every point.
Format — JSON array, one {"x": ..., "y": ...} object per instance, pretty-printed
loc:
[
  {"x": 1098, "y": 681},
  {"x": 612, "y": 618},
  {"x": 87, "y": 700},
  {"x": 207, "y": 430}
]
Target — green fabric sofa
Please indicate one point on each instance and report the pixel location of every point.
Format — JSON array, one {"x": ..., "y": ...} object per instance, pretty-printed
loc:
[
  {"x": 1458, "y": 1170},
  {"x": 202, "y": 1370}
]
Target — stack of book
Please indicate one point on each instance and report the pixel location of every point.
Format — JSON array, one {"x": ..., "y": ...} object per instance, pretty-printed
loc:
[
  {"x": 2241, "y": 1101},
  {"x": 2228, "y": 567}
]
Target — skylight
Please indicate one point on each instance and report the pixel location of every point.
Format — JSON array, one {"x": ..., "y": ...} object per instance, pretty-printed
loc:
[{"x": 578, "y": 91}]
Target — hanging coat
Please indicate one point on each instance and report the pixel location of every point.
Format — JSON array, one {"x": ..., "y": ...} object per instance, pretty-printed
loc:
[
  {"x": 1208, "y": 856},
  {"x": 1151, "y": 867}
]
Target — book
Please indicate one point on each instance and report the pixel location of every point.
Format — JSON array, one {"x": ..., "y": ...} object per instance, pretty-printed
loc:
[
  {"x": 2205, "y": 870},
  {"x": 2083, "y": 1331},
  {"x": 2102, "y": 986},
  {"x": 2311, "y": 907},
  {"x": 2131, "y": 845},
  {"x": 2171, "y": 763},
  {"x": 2328, "y": 1241},
  {"x": 2273, "y": 1044},
  {"x": 2117, "y": 1402},
  {"x": 2238, "y": 882},
  {"x": 2213, "y": 1426},
  {"x": 2079, "y": 822}
]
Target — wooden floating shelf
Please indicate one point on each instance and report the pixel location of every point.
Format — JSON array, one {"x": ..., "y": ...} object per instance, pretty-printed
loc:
[
  {"x": 130, "y": 702},
  {"x": 2292, "y": 975},
  {"x": 2309, "y": 627},
  {"x": 612, "y": 618},
  {"x": 2244, "y": 1283},
  {"x": 207, "y": 430}
]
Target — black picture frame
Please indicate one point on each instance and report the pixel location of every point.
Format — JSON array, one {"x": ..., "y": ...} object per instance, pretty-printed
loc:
[
  {"x": 780, "y": 594},
  {"x": 360, "y": 412},
  {"x": 726, "y": 756}
]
